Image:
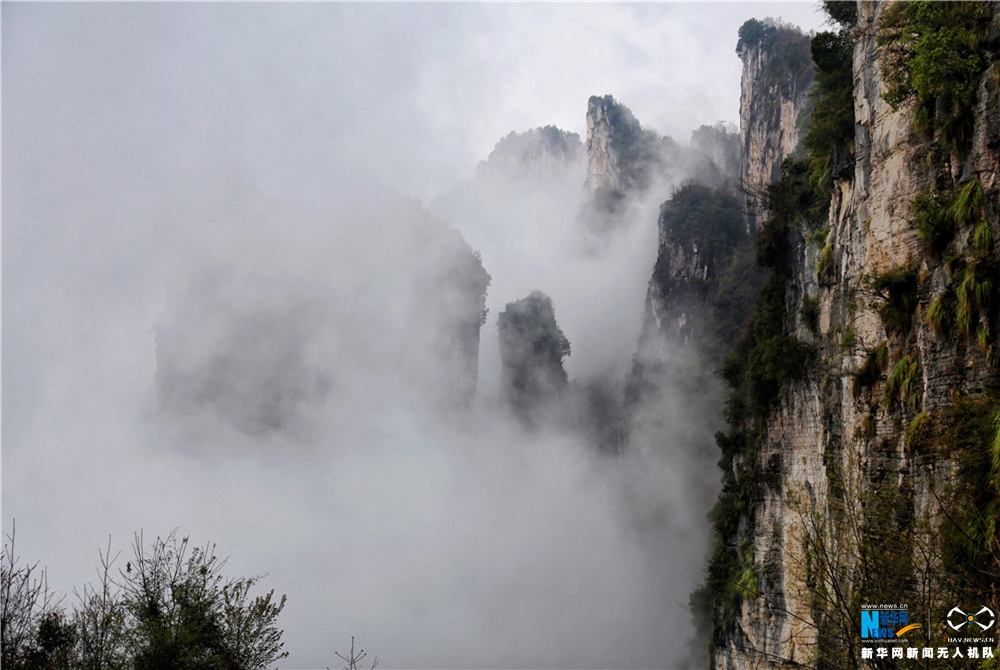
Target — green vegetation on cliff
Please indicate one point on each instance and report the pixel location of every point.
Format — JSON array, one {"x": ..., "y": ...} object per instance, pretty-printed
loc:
[
  {"x": 786, "y": 65},
  {"x": 765, "y": 360},
  {"x": 915, "y": 517},
  {"x": 767, "y": 357},
  {"x": 710, "y": 219},
  {"x": 704, "y": 271},
  {"x": 830, "y": 136},
  {"x": 964, "y": 435},
  {"x": 955, "y": 226},
  {"x": 532, "y": 349},
  {"x": 933, "y": 58}
]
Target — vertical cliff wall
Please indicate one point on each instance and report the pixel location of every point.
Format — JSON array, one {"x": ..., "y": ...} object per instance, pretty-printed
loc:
[
  {"x": 704, "y": 281},
  {"x": 869, "y": 471},
  {"x": 622, "y": 157},
  {"x": 777, "y": 76},
  {"x": 626, "y": 162}
]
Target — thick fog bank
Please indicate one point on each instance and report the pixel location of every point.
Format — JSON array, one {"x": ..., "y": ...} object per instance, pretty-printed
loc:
[
  {"x": 246, "y": 257},
  {"x": 281, "y": 400}
]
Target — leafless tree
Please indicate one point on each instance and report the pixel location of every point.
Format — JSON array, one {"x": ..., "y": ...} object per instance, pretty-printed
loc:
[
  {"x": 353, "y": 660},
  {"x": 100, "y": 620},
  {"x": 25, "y": 600}
]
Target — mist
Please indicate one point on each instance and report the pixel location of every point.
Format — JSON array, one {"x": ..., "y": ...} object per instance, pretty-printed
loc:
[{"x": 232, "y": 237}]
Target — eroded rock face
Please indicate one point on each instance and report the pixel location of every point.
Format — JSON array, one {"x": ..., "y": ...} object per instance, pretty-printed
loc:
[
  {"x": 777, "y": 76},
  {"x": 628, "y": 164},
  {"x": 673, "y": 396},
  {"x": 700, "y": 229},
  {"x": 623, "y": 158},
  {"x": 449, "y": 309},
  {"x": 829, "y": 434},
  {"x": 619, "y": 151}
]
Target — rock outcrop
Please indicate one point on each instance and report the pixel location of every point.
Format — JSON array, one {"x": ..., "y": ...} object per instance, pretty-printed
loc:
[
  {"x": 449, "y": 312},
  {"x": 532, "y": 349},
  {"x": 627, "y": 163},
  {"x": 622, "y": 156},
  {"x": 703, "y": 265},
  {"x": 777, "y": 76},
  {"x": 623, "y": 160},
  {"x": 700, "y": 230}
]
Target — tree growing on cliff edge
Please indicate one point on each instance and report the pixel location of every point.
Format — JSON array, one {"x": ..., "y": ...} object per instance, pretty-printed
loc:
[
  {"x": 706, "y": 291},
  {"x": 830, "y": 136}
]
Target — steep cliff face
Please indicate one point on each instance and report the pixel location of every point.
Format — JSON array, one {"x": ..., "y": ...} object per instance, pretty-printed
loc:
[
  {"x": 705, "y": 281},
  {"x": 449, "y": 312},
  {"x": 703, "y": 285},
  {"x": 700, "y": 231},
  {"x": 624, "y": 160},
  {"x": 858, "y": 484},
  {"x": 777, "y": 76},
  {"x": 622, "y": 156}
]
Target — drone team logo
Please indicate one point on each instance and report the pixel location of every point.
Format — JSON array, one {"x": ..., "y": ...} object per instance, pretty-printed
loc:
[{"x": 958, "y": 619}]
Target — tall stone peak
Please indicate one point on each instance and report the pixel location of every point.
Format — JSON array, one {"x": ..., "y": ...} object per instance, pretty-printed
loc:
[
  {"x": 623, "y": 158},
  {"x": 777, "y": 75},
  {"x": 532, "y": 348},
  {"x": 700, "y": 229},
  {"x": 449, "y": 293}
]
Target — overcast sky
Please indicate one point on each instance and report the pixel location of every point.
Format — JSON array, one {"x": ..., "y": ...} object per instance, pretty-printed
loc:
[{"x": 281, "y": 148}]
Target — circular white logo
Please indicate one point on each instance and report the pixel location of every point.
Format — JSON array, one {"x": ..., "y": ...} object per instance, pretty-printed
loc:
[{"x": 984, "y": 618}]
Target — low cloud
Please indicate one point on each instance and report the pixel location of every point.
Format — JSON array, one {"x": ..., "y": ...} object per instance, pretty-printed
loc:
[{"x": 230, "y": 243}]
